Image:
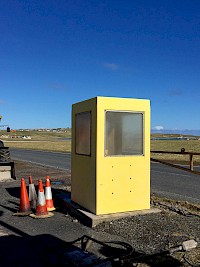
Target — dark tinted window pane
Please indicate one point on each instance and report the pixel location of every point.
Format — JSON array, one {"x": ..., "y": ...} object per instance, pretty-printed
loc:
[{"x": 82, "y": 133}]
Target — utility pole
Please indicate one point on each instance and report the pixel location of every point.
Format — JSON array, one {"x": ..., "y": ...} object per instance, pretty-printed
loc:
[
  {"x": 7, "y": 169},
  {"x": 8, "y": 128}
]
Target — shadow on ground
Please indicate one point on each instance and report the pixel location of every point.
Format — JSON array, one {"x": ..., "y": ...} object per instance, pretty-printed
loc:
[
  {"x": 14, "y": 191},
  {"x": 46, "y": 250},
  {"x": 20, "y": 249}
]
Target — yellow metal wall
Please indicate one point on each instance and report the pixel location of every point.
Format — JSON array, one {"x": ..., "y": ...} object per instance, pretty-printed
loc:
[
  {"x": 83, "y": 180},
  {"x": 114, "y": 183},
  {"x": 123, "y": 182}
]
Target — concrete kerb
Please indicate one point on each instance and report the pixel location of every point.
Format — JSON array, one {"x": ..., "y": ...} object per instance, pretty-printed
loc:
[{"x": 91, "y": 220}]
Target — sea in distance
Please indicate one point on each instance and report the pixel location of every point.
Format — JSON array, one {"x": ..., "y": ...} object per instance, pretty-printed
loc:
[{"x": 169, "y": 138}]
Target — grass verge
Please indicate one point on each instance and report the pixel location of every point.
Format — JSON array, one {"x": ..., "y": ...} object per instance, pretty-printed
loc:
[{"x": 57, "y": 146}]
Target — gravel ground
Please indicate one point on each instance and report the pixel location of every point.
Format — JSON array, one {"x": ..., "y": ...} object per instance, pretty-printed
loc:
[{"x": 150, "y": 235}]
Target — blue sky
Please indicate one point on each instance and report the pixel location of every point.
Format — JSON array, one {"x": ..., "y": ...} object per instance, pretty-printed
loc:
[{"x": 56, "y": 53}]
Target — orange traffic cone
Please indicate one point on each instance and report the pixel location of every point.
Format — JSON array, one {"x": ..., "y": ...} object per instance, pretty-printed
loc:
[
  {"x": 32, "y": 193},
  {"x": 41, "y": 208},
  {"x": 48, "y": 195},
  {"x": 24, "y": 207}
]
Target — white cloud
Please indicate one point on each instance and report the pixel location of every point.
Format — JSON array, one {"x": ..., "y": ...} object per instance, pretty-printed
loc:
[
  {"x": 111, "y": 66},
  {"x": 158, "y": 128}
]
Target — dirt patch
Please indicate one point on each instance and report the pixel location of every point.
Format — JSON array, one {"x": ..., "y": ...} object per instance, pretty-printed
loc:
[{"x": 24, "y": 170}]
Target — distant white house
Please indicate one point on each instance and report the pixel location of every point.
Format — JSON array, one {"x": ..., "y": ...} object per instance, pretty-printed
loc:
[{"x": 26, "y": 137}]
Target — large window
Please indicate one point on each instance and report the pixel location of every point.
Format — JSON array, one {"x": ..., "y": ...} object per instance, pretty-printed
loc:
[
  {"x": 124, "y": 133},
  {"x": 83, "y": 133}
]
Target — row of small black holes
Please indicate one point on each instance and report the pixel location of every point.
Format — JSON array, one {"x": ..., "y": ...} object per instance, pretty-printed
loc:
[
  {"x": 113, "y": 166},
  {"x": 113, "y": 180},
  {"x": 113, "y": 193}
]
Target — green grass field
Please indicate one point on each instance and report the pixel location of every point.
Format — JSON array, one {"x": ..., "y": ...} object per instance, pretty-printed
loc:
[
  {"x": 175, "y": 145},
  {"x": 54, "y": 141},
  {"x": 60, "y": 146},
  {"x": 38, "y": 135},
  {"x": 51, "y": 141}
]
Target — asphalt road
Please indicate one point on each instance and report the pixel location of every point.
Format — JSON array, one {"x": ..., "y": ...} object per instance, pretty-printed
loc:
[
  {"x": 174, "y": 183},
  {"x": 165, "y": 180},
  {"x": 50, "y": 159}
]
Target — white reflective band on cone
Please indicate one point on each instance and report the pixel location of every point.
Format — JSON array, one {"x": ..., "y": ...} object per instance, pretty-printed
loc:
[
  {"x": 32, "y": 192},
  {"x": 48, "y": 193},
  {"x": 41, "y": 199}
]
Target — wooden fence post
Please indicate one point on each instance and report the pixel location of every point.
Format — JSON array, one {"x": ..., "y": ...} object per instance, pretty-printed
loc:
[{"x": 191, "y": 162}]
